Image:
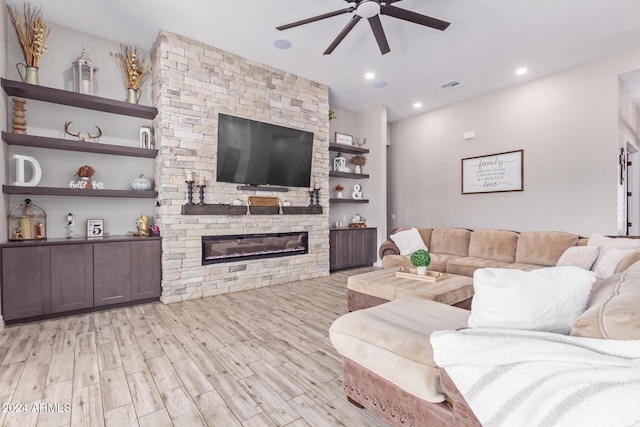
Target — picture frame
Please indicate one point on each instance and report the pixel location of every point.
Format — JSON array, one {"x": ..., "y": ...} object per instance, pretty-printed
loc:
[
  {"x": 343, "y": 138},
  {"x": 95, "y": 228},
  {"x": 493, "y": 173}
]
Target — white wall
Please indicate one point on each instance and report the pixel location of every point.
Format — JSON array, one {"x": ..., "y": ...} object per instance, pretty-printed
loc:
[
  {"x": 372, "y": 125},
  {"x": 566, "y": 123},
  {"x": 45, "y": 119}
]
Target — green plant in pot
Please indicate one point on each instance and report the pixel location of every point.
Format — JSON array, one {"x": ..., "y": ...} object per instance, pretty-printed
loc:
[{"x": 421, "y": 260}]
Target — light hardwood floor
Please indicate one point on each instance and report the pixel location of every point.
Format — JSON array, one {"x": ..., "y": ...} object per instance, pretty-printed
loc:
[{"x": 254, "y": 358}]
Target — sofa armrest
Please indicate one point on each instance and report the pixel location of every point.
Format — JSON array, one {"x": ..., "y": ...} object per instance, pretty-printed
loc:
[{"x": 388, "y": 248}]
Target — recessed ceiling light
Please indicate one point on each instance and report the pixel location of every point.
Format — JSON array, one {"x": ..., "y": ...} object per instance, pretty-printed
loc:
[
  {"x": 282, "y": 44},
  {"x": 369, "y": 76},
  {"x": 417, "y": 104},
  {"x": 380, "y": 84},
  {"x": 521, "y": 71}
]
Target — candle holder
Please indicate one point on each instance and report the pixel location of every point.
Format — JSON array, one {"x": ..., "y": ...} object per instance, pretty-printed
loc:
[
  {"x": 316, "y": 192},
  {"x": 190, "y": 193},
  {"x": 201, "y": 189},
  {"x": 311, "y": 194}
]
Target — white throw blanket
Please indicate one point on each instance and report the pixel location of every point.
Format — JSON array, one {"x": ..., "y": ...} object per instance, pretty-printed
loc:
[{"x": 525, "y": 378}]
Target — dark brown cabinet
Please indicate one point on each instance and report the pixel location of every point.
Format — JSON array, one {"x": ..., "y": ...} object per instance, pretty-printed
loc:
[
  {"x": 26, "y": 282},
  {"x": 112, "y": 273},
  {"x": 71, "y": 277},
  {"x": 60, "y": 275},
  {"x": 352, "y": 247}
]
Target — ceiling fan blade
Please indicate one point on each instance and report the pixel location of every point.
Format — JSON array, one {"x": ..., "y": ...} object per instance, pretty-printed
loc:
[
  {"x": 376, "y": 26},
  {"x": 352, "y": 23},
  {"x": 416, "y": 18},
  {"x": 316, "y": 18}
]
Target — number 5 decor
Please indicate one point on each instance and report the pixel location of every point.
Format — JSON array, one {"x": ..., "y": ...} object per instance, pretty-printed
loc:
[
  {"x": 95, "y": 228},
  {"x": 493, "y": 173}
]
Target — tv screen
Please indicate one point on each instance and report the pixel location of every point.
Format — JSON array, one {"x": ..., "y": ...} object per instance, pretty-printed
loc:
[{"x": 256, "y": 153}]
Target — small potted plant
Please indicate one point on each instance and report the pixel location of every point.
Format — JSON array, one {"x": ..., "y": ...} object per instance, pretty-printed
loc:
[
  {"x": 421, "y": 260},
  {"x": 359, "y": 161},
  {"x": 339, "y": 189}
]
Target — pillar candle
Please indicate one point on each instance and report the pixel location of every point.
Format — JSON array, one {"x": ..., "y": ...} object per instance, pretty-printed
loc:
[
  {"x": 25, "y": 226},
  {"x": 189, "y": 176}
]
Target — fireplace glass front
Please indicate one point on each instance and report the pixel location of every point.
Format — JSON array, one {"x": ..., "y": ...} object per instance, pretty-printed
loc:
[{"x": 240, "y": 247}]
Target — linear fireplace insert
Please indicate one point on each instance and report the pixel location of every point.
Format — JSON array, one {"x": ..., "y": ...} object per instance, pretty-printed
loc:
[{"x": 240, "y": 247}]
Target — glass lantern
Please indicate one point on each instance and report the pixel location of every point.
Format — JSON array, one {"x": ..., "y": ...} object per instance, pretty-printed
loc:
[
  {"x": 27, "y": 222},
  {"x": 85, "y": 75}
]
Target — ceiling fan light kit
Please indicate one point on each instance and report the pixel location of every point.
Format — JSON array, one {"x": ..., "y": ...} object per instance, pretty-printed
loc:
[{"x": 371, "y": 11}]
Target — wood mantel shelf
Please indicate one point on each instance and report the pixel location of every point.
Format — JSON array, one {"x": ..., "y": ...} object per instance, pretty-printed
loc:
[
  {"x": 80, "y": 100},
  {"x": 255, "y": 210}
]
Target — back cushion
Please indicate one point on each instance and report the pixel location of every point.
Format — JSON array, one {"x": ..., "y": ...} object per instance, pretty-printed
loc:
[
  {"x": 543, "y": 247},
  {"x": 425, "y": 232},
  {"x": 453, "y": 241},
  {"x": 499, "y": 245},
  {"x": 612, "y": 310}
]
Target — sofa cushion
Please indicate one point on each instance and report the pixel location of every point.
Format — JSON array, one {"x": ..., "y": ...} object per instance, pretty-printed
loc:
[
  {"x": 605, "y": 243},
  {"x": 468, "y": 265},
  {"x": 613, "y": 309},
  {"x": 439, "y": 261},
  {"x": 392, "y": 341},
  {"x": 579, "y": 256},
  {"x": 391, "y": 261},
  {"x": 452, "y": 241},
  {"x": 543, "y": 247},
  {"x": 499, "y": 245},
  {"x": 548, "y": 300},
  {"x": 408, "y": 241},
  {"x": 609, "y": 262}
]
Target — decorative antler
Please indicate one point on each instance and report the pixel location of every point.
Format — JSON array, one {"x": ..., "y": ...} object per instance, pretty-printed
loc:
[{"x": 83, "y": 138}]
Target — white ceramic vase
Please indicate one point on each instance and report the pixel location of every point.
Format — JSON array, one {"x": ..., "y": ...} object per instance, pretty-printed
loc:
[
  {"x": 339, "y": 195},
  {"x": 422, "y": 271}
]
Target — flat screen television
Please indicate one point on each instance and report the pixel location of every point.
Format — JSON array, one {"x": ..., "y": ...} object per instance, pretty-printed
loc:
[{"x": 256, "y": 153}]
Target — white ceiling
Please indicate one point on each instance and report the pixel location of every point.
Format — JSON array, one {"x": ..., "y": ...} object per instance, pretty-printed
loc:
[{"x": 486, "y": 42}]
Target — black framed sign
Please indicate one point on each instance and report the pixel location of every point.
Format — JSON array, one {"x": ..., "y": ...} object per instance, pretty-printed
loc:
[{"x": 493, "y": 173}]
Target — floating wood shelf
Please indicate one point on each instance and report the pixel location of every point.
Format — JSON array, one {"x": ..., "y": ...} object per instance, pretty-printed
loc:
[
  {"x": 347, "y": 201},
  {"x": 255, "y": 210},
  {"x": 68, "y": 145},
  {"x": 349, "y": 175},
  {"x": 82, "y": 192},
  {"x": 80, "y": 100},
  {"x": 347, "y": 149}
]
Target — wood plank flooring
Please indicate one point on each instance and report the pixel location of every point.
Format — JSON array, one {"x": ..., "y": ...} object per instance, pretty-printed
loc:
[{"x": 255, "y": 358}]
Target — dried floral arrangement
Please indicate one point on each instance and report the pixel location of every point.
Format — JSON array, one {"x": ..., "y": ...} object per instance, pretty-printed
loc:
[
  {"x": 339, "y": 187},
  {"x": 131, "y": 65},
  {"x": 358, "y": 160},
  {"x": 85, "y": 171},
  {"x": 31, "y": 31}
]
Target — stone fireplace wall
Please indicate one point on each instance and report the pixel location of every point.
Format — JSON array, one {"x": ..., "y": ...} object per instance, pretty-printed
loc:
[{"x": 192, "y": 83}]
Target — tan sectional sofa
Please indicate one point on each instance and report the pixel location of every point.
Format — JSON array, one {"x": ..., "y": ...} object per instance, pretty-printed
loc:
[
  {"x": 462, "y": 251},
  {"x": 388, "y": 362}
]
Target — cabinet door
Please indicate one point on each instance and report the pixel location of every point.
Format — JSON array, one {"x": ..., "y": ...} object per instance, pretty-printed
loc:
[
  {"x": 71, "y": 277},
  {"x": 145, "y": 269},
  {"x": 371, "y": 246},
  {"x": 26, "y": 282},
  {"x": 111, "y": 273},
  {"x": 333, "y": 250},
  {"x": 340, "y": 247},
  {"x": 359, "y": 248}
]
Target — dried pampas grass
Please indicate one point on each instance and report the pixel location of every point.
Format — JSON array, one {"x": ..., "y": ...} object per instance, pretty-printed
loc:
[
  {"x": 31, "y": 31},
  {"x": 131, "y": 65}
]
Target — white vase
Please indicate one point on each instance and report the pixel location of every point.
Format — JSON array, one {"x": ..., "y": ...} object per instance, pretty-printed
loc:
[
  {"x": 339, "y": 195},
  {"x": 358, "y": 169},
  {"x": 422, "y": 271}
]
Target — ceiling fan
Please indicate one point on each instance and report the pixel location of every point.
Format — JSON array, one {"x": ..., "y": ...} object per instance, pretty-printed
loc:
[{"x": 371, "y": 9}]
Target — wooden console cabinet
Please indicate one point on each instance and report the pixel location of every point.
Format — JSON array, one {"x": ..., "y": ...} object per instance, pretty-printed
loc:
[
  {"x": 352, "y": 247},
  {"x": 65, "y": 275}
]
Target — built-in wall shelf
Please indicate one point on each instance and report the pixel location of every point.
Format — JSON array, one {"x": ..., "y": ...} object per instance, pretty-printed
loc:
[
  {"x": 349, "y": 175},
  {"x": 69, "y": 145},
  {"x": 255, "y": 210},
  {"x": 347, "y": 149},
  {"x": 347, "y": 201},
  {"x": 80, "y": 100},
  {"x": 82, "y": 192}
]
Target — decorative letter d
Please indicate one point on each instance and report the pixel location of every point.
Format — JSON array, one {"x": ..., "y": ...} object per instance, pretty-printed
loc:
[{"x": 37, "y": 172}]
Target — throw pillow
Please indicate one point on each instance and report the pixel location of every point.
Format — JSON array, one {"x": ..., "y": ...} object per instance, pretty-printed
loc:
[
  {"x": 548, "y": 299},
  {"x": 610, "y": 260},
  {"x": 607, "y": 243},
  {"x": 579, "y": 256},
  {"x": 408, "y": 241}
]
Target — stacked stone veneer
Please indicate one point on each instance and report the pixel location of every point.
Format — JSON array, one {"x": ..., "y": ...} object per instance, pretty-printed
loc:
[{"x": 192, "y": 83}]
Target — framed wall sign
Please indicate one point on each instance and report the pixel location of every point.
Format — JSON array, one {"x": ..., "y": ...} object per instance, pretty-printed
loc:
[
  {"x": 493, "y": 173},
  {"x": 343, "y": 139},
  {"x": 95, "y": 228}
]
